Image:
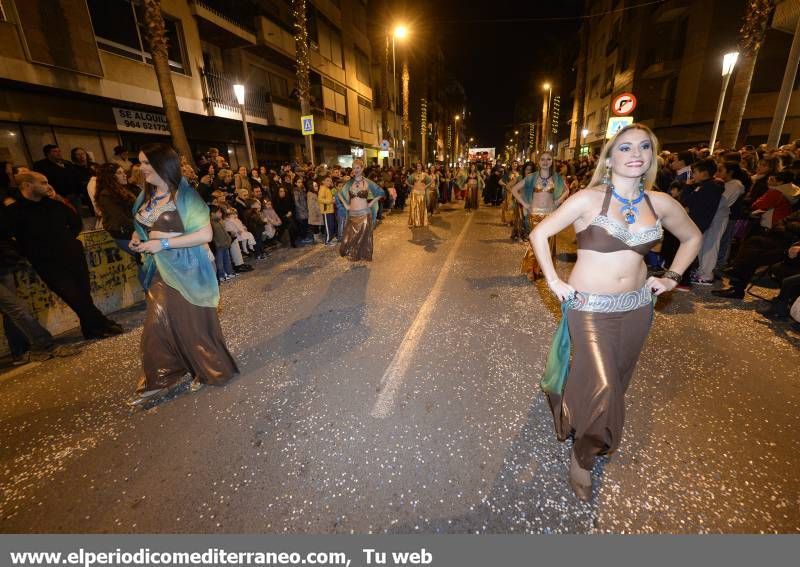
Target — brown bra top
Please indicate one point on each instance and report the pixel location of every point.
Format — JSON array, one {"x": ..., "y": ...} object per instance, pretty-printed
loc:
[{"x": 606, "y": 235}]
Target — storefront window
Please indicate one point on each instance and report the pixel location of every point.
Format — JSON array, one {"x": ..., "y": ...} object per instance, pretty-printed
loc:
[{"x": 37, "y": 137}]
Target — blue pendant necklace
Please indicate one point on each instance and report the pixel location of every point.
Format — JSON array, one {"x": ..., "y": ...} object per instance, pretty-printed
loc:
[
  {"x": 154, "y": 199},
  {"x": 629, "y": 209}
]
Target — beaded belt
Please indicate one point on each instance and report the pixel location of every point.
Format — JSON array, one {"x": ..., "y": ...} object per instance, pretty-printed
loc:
[{"x": 611, "y": 302}]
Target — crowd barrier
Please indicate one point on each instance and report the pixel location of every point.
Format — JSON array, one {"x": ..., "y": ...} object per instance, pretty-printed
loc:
[{"x": 112, "y": 275}]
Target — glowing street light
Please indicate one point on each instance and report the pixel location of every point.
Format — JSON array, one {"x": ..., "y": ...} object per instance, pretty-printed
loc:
[
  {"x": 238, "y": 91},
  {"x": 546, "y": 115},
  {"x": 584, "y": 133},
  {"x": 728, "y": 63},
  {"x": 400, "y": 31}
]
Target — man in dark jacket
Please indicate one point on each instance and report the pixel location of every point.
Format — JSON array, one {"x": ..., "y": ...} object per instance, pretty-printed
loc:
[
  {"x": 27, "y": 339},
  {"x": 701, "y": 199},
  {"x": 62, "y": 175},
  {"x": 46, "y": 232}
]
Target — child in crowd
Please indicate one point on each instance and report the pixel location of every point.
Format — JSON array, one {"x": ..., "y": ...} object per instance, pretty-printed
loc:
[
  {"x": 244, "y": 238},
  {"x": 325, "y": 201},
  {"x": 222, "y": 245},
  {"x": 271, "y": 220},
  {"x": 314, "y": 213}
]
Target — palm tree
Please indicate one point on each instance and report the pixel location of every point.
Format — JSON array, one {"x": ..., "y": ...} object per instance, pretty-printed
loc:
[
  {"x": 302, "y": 62},
  {"x": 157, "y": 42},
  {"x": 751, "y": 36}
]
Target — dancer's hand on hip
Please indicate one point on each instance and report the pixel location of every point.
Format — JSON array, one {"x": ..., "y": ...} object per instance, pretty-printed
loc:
[
  {"x": 561, "y": 289},
  {"x": 660, "y": 285}
]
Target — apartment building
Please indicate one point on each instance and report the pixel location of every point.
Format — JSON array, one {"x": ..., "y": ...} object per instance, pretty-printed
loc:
[
  {"x": 78, "y": 73},
  {"x": 670, "y": 57}
]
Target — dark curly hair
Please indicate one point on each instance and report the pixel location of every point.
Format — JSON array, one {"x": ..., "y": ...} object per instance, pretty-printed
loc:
[{"x": 107, "y": 183}]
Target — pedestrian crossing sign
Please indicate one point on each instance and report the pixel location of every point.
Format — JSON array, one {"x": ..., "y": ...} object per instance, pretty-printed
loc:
[
  {"x": 617, "y": 123},
  {"x": 307, "y": 125}
]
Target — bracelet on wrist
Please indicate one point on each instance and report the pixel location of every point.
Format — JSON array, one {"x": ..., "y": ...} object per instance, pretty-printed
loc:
[
  {"x": 674, "y": 276},
  {"x": 165, "y": 244},
  {"x": 553, "y": 280}
]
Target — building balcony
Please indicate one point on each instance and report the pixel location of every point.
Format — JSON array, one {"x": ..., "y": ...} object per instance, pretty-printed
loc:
[
  {"x": 226, "y": 23},
  {"x": 261, "y": 106},
  {"x": 661, "y": 69}
]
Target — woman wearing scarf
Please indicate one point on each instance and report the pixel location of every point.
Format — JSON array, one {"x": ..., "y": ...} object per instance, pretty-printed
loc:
[
  {"x": 539, "y": 194},
  {"x": 181, "y": 331},
  {"x": 420, "y": 186},
  {"x": 359, "y": 197}
]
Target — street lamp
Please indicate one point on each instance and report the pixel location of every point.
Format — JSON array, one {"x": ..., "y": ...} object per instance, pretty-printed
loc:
[
  {"x": 728, "y": 63},
  {"x": 400, "y": 32},
  {"x": 546, "y": 115},
  {"x": 456, "y": 118},
  {"x": 238, "y": 90}
]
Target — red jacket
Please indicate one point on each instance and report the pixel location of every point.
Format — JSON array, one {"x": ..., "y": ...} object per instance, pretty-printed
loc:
[{"x": 774, "y": 199}]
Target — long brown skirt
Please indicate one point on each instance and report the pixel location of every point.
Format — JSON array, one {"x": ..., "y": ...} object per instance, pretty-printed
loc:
[
  {"x": 357, "y": 237},
  {"x": 517, "y": 221},
  {"x": 606, "y": 347},
  {"x": 179, "y": 338},
  {"x": 530, "y": 266},
  {"x": 417, "y": 211},
  {"x": 432, "y": 197},
  {"x": 471, "y": 199}
]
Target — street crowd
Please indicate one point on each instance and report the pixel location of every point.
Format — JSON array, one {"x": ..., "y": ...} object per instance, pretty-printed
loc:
[{"x": 745, "y": 202}]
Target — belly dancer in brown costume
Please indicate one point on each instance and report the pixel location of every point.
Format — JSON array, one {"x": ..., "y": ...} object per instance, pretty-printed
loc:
[{"x": 608, "y": 294}]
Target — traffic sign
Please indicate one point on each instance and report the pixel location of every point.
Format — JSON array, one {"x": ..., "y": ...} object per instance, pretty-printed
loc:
[
  {"x": 617, "y": 123},
  {"x": 307, "y": 125},
  {"x": 385, "y": 145},
  {"x": 623, "y": 104}
]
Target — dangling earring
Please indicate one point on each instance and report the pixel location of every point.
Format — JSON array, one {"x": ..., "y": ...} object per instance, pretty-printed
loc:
[
  {"x": 607, "y": 174},
  {"x": 641, "y": 184}
]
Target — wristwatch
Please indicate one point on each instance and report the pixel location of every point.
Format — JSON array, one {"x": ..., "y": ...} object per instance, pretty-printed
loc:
[{"x": 165, "y": 244}]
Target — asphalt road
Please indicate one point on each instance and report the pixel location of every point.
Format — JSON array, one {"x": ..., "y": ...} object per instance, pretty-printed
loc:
[{"x": 402, "y": 397}]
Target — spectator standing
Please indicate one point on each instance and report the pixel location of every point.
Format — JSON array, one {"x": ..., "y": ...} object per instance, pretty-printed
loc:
[
  {"x": 121, "y": 158},
  {"x": 702, "y": 201},
  {"x": 284, "y": 207},
  {"x": 315, "y": 219},
  {"x": 61, "y": 175},
  {"x": 242, "y": 181},
  {"x": 301, "y": 208},
  {"x": 46, "y": 232},
  {"x": 326, "y": 208}
]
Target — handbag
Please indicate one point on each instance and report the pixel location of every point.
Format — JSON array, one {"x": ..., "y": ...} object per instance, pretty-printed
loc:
[{"x": 557, "y": 367}]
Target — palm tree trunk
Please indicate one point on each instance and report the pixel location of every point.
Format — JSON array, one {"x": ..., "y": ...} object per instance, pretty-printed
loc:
[
  {"x": 741, "y": 90},
  {"x": 302, "y": 62},
  {"x": 157, "y": 40},
  {"x": 751, "y": 36}
]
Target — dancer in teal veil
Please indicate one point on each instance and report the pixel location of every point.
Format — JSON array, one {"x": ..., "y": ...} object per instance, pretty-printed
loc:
[
  {"x": 359, "y": 197},
  {"x": 181, "y": 333}
]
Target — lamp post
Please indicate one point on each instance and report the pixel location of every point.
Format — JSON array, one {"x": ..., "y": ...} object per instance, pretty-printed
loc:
[
  {"x": 728, "y": 63},
  {"x": 546, "y": 116},
  {"x": 584, "y": 133},
  {"x": 238, "y": 90},
  {"x": 399, "y": 32},
  {"x": 456, "y": 153}
]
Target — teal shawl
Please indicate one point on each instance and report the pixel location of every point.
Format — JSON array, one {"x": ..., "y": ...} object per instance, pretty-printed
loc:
[
  {"x": 374, "y": 192},
  {"x": 530, "y": 184},
  {"x": 188, "y": 270}
]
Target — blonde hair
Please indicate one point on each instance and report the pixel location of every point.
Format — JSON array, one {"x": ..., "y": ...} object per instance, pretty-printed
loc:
[
  {"x": 136, "y": 176},
  {"x": 652, "y": 170}
]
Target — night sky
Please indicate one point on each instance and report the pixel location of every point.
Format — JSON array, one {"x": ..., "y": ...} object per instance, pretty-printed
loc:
[{"x": 497, "y": 52}]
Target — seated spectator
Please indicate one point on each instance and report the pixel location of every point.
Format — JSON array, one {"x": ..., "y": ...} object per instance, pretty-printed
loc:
[
  {"x": 272, "y": 222},
  {"x": 46, "y": 232},
  {"x": 776, "y": 203},
  {"x": 758, "y": 251},
  {"x": 239, "y": 232},
  {"x": 255, "y": 226},
  {"x": 241, "y": 180},
  {"x": 790, "y": 287},
  {"x": 241, "y": 201}
]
